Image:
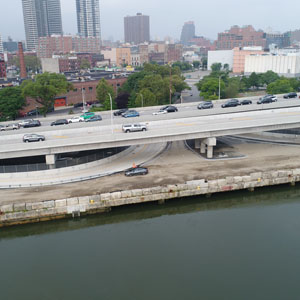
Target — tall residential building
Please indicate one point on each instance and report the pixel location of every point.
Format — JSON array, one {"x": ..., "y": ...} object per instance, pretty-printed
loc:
[
  {"x": 88, "y": 18},
  {"x": 137, "y": 29},
  {"x": 187, "y": 33},
  {"x": 41, "y": 18}
]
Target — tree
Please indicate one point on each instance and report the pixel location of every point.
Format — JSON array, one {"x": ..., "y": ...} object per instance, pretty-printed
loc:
[
  {"x": 32, "y": 63},
  {"x": 216, "y": 67},
  {"x": 84, "y": 64},
  {"x": 254, "y": 80},
  {"x": 269, "y": 77},
  {"x": 280, "y": 86},
  {"x": 196, "y": 64},
  {"x": 103, "y": 90},
  {"x": 45, "y": 88},
  {"x": 232, "y": 90},
  {"x": 11, "y": 101},
  {"x": 210, "y": 89},
  {"x": 204, "y": 63}
]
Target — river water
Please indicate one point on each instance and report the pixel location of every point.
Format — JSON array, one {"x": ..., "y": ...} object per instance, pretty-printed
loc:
[{"x": 238, "y": 245}]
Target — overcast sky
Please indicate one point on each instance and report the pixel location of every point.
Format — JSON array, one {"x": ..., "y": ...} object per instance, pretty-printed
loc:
[{"x": 168, "y": 16}]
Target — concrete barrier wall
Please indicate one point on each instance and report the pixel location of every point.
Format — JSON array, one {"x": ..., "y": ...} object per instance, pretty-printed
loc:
[{"x": 20, "y": 213}]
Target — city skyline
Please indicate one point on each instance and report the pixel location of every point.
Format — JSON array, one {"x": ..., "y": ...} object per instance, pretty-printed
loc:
[{"x": 207, "y": 24}]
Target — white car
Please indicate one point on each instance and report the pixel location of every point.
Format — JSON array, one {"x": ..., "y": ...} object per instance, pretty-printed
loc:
[
  {"x": 160, "y": 112},
  {"x": 76, "y": 120}
]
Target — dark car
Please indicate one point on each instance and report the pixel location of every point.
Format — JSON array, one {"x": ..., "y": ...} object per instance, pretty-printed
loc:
[
  {"x": 80, "y": 104},
  {"x": 231, "y": 103},
  {"x": 290, "y": 95},
  {"x": 94, "y": 118},
  {"x": 120, "y": 111},
  {"x": 33, "y": 123},
  {"x": 136, "y": 171},
  {"x": 169, "y": 108},
  {"x": 33, "y": 112},
  {"x": 205, "y": 105},
  {"x": 33, "y": 138},
  {"x": 264, "y": 100},
  {"x": 246, "y": 102},
  {"x": 60, "y": 122}
]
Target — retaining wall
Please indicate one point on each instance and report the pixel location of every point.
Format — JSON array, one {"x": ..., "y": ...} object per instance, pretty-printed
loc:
[{"x": 21, "y": 213}]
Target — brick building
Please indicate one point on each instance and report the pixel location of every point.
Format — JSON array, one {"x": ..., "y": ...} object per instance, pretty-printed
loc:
[
  {"x": 237, "y": 36},
  {"x": 75, "y": 96},
  {"x": 2, "y": 69}
]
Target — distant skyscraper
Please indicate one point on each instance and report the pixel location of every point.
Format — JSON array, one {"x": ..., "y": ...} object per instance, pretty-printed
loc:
[
  {"x": 188, "y": 32},
  {"x": 137, "y": 29},
  {"x": 88, "y": 18},
  {"x": 41, "y": 18}
]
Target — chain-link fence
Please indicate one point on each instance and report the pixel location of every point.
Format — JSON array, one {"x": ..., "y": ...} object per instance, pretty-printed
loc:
[{"x": 63, "y": 161}]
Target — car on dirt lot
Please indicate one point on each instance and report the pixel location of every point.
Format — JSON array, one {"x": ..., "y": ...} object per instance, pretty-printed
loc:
[{"x": 136, "y": 171}]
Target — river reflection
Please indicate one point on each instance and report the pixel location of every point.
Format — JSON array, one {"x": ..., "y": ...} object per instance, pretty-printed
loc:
[{"x": 240, "y": 245}]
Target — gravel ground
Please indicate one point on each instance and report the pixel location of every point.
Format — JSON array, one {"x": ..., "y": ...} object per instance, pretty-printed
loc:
[{"x": 176, "y": 165}]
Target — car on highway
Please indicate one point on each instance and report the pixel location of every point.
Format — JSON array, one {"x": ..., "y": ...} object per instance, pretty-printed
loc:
[
  {"x": 264, "y": 100},
  {"x": 94, "y": 118},
  {"x": 160, "y": 112},
  {"x": 76, "y": 119},
  {"x": 205, "y": 105},
  {"x": 60, "y": 122},
  {"x": 120, "y": 112},
  {"x": 32, "y": 137},
  {"x": 10, "y": 127},
  {"x": 231, "y": 103},
  {"x": 290, "y": 95},
  {"x": 246, "y": 102},
  {"x": 22, "y": 123},
  {"x": 130, "y": 114},
  {"x": 136, "y": 171},
  {"x": 87, "y": 115},
  {"x": 33, "y": 123},
  {"x": 134, "y": 127},
  {"x": 169, "y": 108}
]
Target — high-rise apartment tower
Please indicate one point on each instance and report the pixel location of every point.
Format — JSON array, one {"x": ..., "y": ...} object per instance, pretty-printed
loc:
[
  {"x": 88, "y": 18},
  {"x": 41, "y": 18},
  {"x": 187, "y": 33},
  {"x": 137, "y": 29}
]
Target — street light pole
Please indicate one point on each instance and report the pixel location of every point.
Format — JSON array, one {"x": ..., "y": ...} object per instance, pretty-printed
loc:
[
  {"x": 219, "y": 87},
  {"x": 170, "y": 84},
  {"x": 111, "y": 114}
]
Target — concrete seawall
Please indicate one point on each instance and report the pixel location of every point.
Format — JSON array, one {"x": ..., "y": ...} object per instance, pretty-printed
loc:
[{"x": 21, "y": 213}]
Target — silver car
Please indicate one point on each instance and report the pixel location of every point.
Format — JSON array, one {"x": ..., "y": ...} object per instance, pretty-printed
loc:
[
  {"x": 32, "y": 137},
  {"x": 10, "y": 127}
]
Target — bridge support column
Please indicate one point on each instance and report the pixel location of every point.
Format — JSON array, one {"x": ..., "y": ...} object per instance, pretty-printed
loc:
[
  {"x": 210, "y": 151},
  {"x": 197, "y": 143},
  {"x": 50, "y": 160},
  {"x": 202, "y": 148},
  {"x": 209, "y": 143}
]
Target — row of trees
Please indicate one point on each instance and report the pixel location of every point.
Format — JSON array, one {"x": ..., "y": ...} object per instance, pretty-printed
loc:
[{"x": 229, "y": 87}]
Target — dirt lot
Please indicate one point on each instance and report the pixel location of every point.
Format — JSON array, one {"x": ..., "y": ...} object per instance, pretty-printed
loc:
[{"x": 177, "y": 165}]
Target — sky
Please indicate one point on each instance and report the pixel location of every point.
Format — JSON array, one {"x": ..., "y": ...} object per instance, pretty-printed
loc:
[{"x": 168, "y": 16}]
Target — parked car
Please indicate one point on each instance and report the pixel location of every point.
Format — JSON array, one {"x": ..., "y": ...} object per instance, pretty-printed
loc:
[
  {"x": 10, "y": 127},
  {"x": 80, "y": 104},
  {"x": 87, "y": 115},
  {"x": 33, "y": 112},
  {"x": 205, "y": 105},
  {"x": 160, "y": 112},
  {"x": 76, "y": 119},
  {"x": 130, "y": 114},
  {"x": 94, "y": 118},
  {"x": 134, "y": 127},
  {"x": 231, "y": 103},
  {"x": 120, "y": 111},
  {"x": 290, "y": 95},
  {"x": 32, "y": 137},
  {"x": 246, "y": 102},
  {"x": 60, "y": 122},
  {"x": 136, "y": 171},
  {"x": 169, "y": 108},
  {"x": 22, "y": 123},
  {"x": 33, "y": 123}
]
